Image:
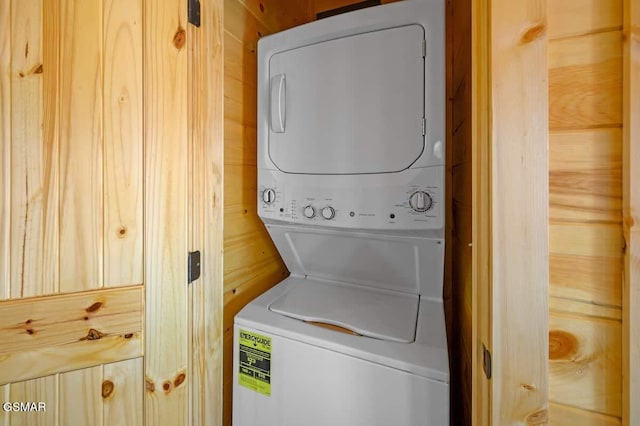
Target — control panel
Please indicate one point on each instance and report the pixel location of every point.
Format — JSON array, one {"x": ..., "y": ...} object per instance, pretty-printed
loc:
[{"x": 413, "y": 200}]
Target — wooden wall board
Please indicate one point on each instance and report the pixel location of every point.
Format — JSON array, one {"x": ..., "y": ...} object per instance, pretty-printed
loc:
[
  {"x": 206, "y": 112},
  {"x": 5, "y": 152},
  {"x": 568, "y": 18},
  {"x": 585, "y": 81},
  {"x": 81, "y": 154},
  {"x": 167, "y": 380},
  {"x": 585, "y": 363},
  {"x": 123, "y": 142},
  {"x": 122, "y": 391},
  {"x": 519, "y": 161},
  {"x": 562, "y": 415},
  {"x": 61, "y": 319},
  {"x": 43, "y": 389},
  {"x": 585, "y": 176},
  {"x": 631, "y": 214},
  {"x": 81, "y": 397},
  {"x": 27, "y": 150},
  {"x": 481, "y": 211}
]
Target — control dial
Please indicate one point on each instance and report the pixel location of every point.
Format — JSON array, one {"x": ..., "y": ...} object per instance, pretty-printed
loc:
[
  {"x": 269, "y": 196},
  {"x": 309, "y": 212},
  {"x": 420, "y": 201},
  {"x": 328, "y": 213}
]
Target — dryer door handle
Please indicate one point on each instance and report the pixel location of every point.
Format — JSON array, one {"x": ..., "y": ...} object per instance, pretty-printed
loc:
[{"x": 278, "y": 104}]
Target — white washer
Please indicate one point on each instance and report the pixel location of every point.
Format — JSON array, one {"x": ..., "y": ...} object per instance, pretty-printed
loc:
[{"x": 351, "y": 118}]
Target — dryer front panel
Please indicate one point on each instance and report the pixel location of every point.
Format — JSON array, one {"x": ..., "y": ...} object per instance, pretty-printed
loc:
[{"x": 351, "y": 105}]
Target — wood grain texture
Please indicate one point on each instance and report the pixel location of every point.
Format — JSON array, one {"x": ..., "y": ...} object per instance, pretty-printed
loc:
[
  {"x": 481, "y": 214},
  {"x": 459, "y": 209},
  {"x": 81, "y": 146},
  {"x": 631, "y": 215},
  {"x": 28, "y": 194},
  {"x": 123, "y": 184},
  {"x": 44, "y": 389},
  {"x": 585, "y": 176},
  {"x": 80, "y": 400},
  {"x": 585, "y": 81},
  {"x": 5, "y": 148},
  {"x": 562, "y": 415},
  {"x": 578, "y": 17},
  {"x": 585, "y": 363},
  {"x": 37, "y": 323},
  {"x": 519, "y": 211},
  {"x": 122, "y": 390},
  {"x": 206, "y": 68},
  {"x": 166, "y": 224},
  {"x": 71, "y": 356}
]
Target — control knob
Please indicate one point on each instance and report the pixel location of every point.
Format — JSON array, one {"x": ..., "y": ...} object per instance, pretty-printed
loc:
[
  {"x": 269, "y": 196},
  {"x": 328, "y": 213},
  {"x": 420, "y": 201},
  {"x": 309, "y": 212}
]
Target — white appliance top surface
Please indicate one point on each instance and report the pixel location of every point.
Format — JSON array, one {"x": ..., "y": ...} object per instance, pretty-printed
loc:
[
  {"x": 369, "y": 312},
  {"x": 353, "y": 104},
  {"x": 426, "y": 356}
]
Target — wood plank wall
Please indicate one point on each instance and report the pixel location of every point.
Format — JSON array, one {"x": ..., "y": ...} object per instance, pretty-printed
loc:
[
  {"x": 251, "y": 263},
  {"x": 586, "y": 244},
  {"x": 458, "y": 294},
  {"x": 631, "y": 214}
]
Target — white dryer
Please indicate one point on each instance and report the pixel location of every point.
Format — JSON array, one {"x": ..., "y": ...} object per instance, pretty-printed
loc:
[{"x": 351, "y": 119}]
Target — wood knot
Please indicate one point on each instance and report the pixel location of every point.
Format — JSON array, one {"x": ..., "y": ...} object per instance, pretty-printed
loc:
[
  {"x": 128, "y": 335},
  {"x": 94, "y": 307},
  {"x": 31, "y": 331},
  {"x": 533, "y": 33},
  {"x": 528, "y": 387},
  {"x": 562, "y": 345},
  {"x": 122, "y": 231},
  {"x": 179, "y": 380},
  {"x": 94, "y": 334},
  {"x": 180, "y": 38},
  {"x": 261, "y": 8},
  {"x": 37, "y": 69},
  {"x": 166, "y": 386},
  {"x": 107, "y": 388},
  {"x": 539, "y": 417},
  {"x": 149, "y": 385}
]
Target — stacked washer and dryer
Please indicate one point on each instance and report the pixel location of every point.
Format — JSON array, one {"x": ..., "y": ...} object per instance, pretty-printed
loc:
[{"x": 351, "y": 134}]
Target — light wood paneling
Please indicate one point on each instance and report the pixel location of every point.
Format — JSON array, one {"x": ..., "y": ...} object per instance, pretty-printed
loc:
[
  {"x": 481, "y": 214},
  {"x": 584, "y": 366},
  {"x": 631, "y": 214},
  {"x": 81, "y": 153},
  {"x": 122, "y": 390},
  {"x": 61, "y": 319},
  {"x": 167, "y": 380},
  {"x": 123, "y": 150},
  {"x": 5, "y": 151},
  {"x": 586, "y": 195},
  {"x": 80, "y": 397},
  {"x": 44, "y": 390},
  {"x": 577, "y": 17},
  {"x": 206, "y": 70},
  {"x": 27, "y": 150},
  {"x": 562, "y": 415},
  {"x": 519, "y": 211},
  {"x": 585, "y": 81},
  {"x": 585, "y": 176}
]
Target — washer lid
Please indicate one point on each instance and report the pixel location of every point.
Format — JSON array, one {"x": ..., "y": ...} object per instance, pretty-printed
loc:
[
  {"x": 370, "y": 312},
  {"x": 349, "y": 105}
]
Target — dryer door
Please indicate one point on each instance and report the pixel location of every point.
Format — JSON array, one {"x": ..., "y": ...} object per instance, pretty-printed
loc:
[{"x": 350, "y": 105}]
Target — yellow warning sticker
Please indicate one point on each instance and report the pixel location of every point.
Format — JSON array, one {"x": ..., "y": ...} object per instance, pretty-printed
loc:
[{"x": 255, "y": 362}]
